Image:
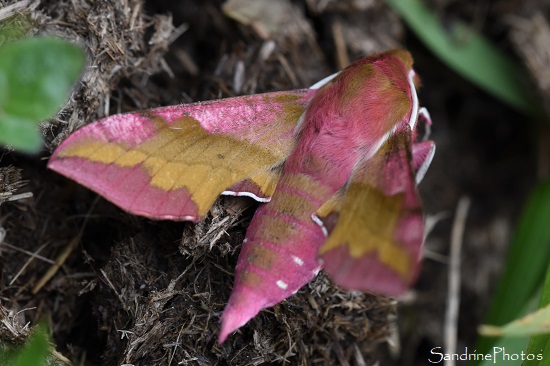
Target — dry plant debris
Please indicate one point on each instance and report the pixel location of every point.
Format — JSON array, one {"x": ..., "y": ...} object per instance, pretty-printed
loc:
[{"x": 11, "y": 182}]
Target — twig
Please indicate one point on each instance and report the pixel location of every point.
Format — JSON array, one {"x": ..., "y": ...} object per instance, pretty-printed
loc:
[
  {"x": 110, "y": 284},
  {"x": 287, "y": 69},
  {"x": 453, "y": 295},
  {"x": 10, "y": 10},
  {"x": 60, "y": 356},
  {"x": 359, "y": 359},
  {"x": 342, "y": 58},
  {"x": 61, "y": 258},
  {"x": 33, "y": 255},
  {"x": 19, "y": 196}
]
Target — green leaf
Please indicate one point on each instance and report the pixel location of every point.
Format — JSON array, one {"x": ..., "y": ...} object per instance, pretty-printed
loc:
[
  {"x": 471, "y": 55},
  {"x": 20, "y": 133},
  {"x": 526, "y": 265},
  {"x": 541, "y": 343},
  {"x": 503, "y": 346},
  {"x": 534, "y": 323},
  {"x": 36, "y": 75},
  {"x": 509, "y": 345},
  {"x": 35, "y": 352},
  {"x": 528, "y": 259}
]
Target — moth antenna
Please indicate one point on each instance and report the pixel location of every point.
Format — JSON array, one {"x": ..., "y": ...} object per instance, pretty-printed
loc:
[
  {"x": 423, "y": 112},
  {"x": 414, "y": 97}
]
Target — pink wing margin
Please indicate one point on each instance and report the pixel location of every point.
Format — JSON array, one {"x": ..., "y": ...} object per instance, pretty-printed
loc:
[
  {"x": 396, "y": 173},
  {"x": 264, "y": 120}
]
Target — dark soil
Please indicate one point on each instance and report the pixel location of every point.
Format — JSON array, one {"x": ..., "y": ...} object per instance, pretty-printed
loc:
[{"x": 129, "y": 290}]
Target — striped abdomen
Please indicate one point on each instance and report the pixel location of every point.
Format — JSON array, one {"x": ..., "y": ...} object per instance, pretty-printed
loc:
[{"x": 279, "y": 253}]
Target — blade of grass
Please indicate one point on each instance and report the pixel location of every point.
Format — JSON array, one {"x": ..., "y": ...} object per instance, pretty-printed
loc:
[
  {"x": 508, "y": 345},
  {"x": 541, "y": 344},
  {"x": 535, "y": 323},
  {"x": 470, "y": 55},
  {"x": 526, "y": 265}
]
